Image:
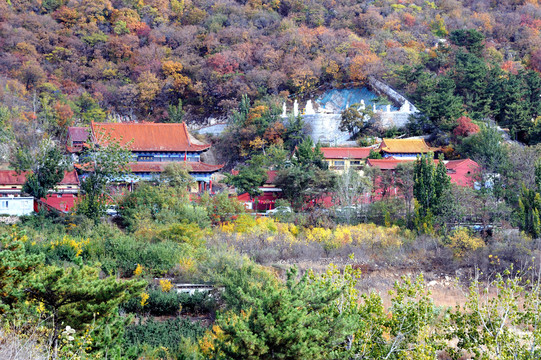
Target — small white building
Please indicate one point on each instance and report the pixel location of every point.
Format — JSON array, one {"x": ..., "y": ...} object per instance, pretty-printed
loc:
[{"x": 17, "y": 206}]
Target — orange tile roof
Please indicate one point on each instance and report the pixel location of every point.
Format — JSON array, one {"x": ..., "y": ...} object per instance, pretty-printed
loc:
[
  {"x": 148, "y": 136},
  {"x": 143, "y": 166},
  {"x": 406, "y": 146},
  {"x": 345, "y": 152}
]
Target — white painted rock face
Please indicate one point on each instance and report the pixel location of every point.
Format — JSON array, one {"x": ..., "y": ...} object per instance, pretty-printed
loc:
[
  {"x": 405, "y": 107},
  {"x": 309, "y": 110}
]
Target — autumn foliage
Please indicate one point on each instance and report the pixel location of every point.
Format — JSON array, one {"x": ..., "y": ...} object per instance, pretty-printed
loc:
[
  {"x": 465, "y": 127},
  {"x": 139, "y": 57}
]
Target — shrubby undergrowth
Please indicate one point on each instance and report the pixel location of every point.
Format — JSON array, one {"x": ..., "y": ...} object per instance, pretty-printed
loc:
[{"x": 260, "y": 307}]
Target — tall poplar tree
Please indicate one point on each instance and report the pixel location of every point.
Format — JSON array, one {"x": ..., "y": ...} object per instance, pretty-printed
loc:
[
  {"x": 442, "y": 182},
  {"x": 529, "y": 208},
  {"x": 423, "y": 188},
  {"x": 430, "y": 183}
]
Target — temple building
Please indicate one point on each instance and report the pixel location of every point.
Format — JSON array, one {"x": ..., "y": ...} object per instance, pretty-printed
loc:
[
  {"x": 343, "y": 158},
  {"x": 77, "y": 139},
  {"x": 463, "y": 172},
  {"x": 405, "y": 148},
  {"x": 269, "y": 194},
  {"x": 155, "y": 145},
  {"x": 62, "y": 198}
]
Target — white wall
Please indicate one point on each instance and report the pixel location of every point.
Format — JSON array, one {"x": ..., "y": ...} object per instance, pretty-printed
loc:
[{"x": 16, "y": 205}]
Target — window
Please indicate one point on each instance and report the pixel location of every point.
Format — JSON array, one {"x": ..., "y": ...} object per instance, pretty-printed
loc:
[
  {"x": 3, "y": 204},
  {"x": 338, "y": 165},
  {"x": 356, "y": 164}
]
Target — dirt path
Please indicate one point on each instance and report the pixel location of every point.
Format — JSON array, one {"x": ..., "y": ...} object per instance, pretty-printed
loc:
[{"x": 446, "y": 290}]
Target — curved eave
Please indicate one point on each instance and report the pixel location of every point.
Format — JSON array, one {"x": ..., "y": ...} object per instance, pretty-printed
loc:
[{"x": 158, "y": 167}]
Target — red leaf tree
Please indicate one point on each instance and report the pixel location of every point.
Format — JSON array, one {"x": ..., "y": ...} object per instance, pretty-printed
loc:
[{"x": 465, "y": 127}]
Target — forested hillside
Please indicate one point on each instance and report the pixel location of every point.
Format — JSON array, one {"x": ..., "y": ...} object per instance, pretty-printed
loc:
[
  {"x": 67, "y": 60},
  {"x": 118, "y": 275}
]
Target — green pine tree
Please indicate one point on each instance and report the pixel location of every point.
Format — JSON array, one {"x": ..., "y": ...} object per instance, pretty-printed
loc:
[
  {"x": 269, "y": 320},
  {"x": 175, "y": 112},
  {"x": 15, "y": 266},
  {"x": 76, "y": 296}
]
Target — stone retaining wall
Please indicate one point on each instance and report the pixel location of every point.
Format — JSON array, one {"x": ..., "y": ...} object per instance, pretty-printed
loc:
[{"x": 8, "y": 219}]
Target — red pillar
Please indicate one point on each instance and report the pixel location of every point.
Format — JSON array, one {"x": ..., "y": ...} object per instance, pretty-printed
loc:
[
  {"x": 210, "y": 185},
  {"x": 199, "y": 186}
]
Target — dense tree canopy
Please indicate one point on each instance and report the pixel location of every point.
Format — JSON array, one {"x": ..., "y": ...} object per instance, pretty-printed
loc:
[{"x": 138, "y": 59}]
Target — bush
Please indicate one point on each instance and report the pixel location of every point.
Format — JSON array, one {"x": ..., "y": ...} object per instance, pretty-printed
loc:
[
  {"x": 172, "y": 334},
  {"x": 200, "y": 302},
  {"x": 66, "y": 249},
  {"x": 161, "y": 204},
  {"x": 163, "y": 303},
  {"x": 183, "y": 232},
  {"x": 221, "y": 208},
  {"x": 172, "y": 303},
  {"x": 122, "y": 255},
  {"x": 394, "y": 209},
  {"x": 463, "y": 243},
  {"x": 43, "y": 220}
]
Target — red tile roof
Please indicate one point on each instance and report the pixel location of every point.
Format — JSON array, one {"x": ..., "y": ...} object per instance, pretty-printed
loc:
[
  {"x": 148, "y": 136},
  {"x": 70, "y": 178},
  {"x": 10, "y": 177},
  {"x": 271, "y": 176},
  {"x": 462, "y": 172},
  {"x": 455, "y": 164},
  {"x": 157, "y": 167},
  {"x": 345, "y": 152},
  {"x": 390, "y": 163},
  {"x": 386, "y": 164},
  {"x": 76, "y": 133},
  {"x": 60, "y": 202},
  {"x": 84, "y": 167}
]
